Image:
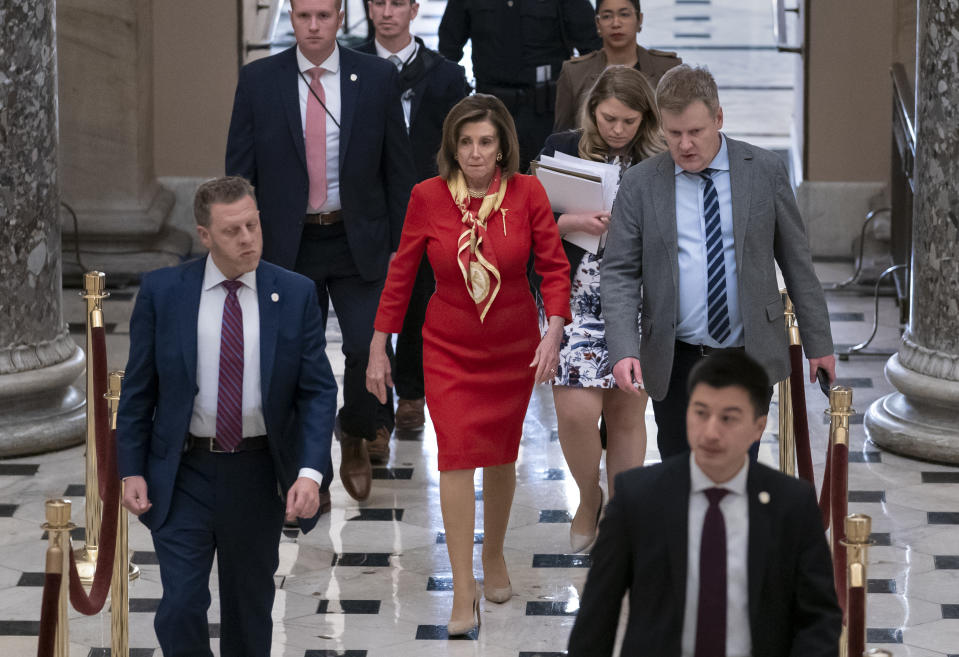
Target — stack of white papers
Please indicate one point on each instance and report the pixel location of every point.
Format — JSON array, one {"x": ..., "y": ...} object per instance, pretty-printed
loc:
[{"x": 575, "y": 185}]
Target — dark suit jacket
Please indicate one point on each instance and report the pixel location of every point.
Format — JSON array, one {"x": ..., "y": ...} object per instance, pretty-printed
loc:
[
  {"x": 435, "y": 84},
  {"x": 298, "y": 390},
  {"x": 640, "y": 267},
  {"x": 642, "y": 550},
  {"x": 266, "y": 146}
]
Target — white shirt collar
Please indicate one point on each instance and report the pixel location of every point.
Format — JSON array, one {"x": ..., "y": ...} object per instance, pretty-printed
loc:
[
  {"x": 331, "y": 64},
  {"x": 405, "y": 53},
  {"x": 720, "y": 161},
  {"x": 700, "y": 481},
  {"x": 212, "y": 276}
]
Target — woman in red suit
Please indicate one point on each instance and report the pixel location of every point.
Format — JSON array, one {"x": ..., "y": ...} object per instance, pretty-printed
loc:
[{"x": 478, "y": 223}]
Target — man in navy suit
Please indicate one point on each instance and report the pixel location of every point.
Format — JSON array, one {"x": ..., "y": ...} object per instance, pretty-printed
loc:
[
  {"x": 430, "y": 86},
  {"x": 319, "y": 131},
  {"x": 719, "y": 556},
  {"x": 227, "y": 408}
]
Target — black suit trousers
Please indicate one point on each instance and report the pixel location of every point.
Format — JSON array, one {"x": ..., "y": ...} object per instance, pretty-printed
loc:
[{"x": 408, "y": 377}]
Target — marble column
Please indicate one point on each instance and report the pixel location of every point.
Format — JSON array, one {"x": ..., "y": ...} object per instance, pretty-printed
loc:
[
  {"x": 106, "y": 152},
  {"x": 922, "y": 418},
  {"x": 40, "y": 409}
]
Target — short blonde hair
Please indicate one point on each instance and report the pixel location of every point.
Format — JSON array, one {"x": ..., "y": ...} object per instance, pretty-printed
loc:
[
  {"x": 683, "y": 85},
  {"x": 472, "y": 109},
  {"x": 632, "y": 89}
]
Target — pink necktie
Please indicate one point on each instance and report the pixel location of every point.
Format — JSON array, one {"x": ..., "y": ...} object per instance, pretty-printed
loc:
[
  {"x": 229, "y": 401},
  {"x": 316, "y": 140}
]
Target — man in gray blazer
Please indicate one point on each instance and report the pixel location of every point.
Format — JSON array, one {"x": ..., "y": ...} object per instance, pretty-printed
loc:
[{"x": 695, "y": 236}]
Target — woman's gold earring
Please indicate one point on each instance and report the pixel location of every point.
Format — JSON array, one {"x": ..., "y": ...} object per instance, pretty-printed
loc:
[{"x": 499, "y": 156}]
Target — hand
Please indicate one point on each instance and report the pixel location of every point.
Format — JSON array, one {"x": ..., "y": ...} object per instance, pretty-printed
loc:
[
  {"x": 594, "y": 223},
  {"x": 828, "y": 363},
  {"x": 378, "y": 378},
  {"x": 303, "y": 499},
  {"x": 628, "y": 375},
  {"x": 135, "y": 498},
  {"x": 546, "y": 358}
]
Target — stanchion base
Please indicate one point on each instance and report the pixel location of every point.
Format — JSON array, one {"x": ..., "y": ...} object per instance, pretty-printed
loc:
[{"x": 86, "y": 558}]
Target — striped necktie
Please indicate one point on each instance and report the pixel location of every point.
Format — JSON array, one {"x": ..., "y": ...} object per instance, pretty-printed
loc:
[
  {"x": 718, "y": 312},
  {"x": 229, "y": 400}
]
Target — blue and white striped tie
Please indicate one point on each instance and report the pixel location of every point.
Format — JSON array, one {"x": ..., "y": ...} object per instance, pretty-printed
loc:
[{"x": 718, "y": 312}]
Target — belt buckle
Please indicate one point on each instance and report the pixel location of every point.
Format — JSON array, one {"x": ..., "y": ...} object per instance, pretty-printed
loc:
[{"x": 216, "y": 448}]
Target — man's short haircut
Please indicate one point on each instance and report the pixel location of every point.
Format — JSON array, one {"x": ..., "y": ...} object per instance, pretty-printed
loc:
[
  {"x": 683, "y": 85},
  {"x": 472, "y": 109},
  {"x": 732, "y": 367},
  {"x": 227, "y": 189}
]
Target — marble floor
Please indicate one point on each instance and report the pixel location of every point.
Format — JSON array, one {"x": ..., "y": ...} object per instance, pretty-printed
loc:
[{"x": 373, "y": 578}]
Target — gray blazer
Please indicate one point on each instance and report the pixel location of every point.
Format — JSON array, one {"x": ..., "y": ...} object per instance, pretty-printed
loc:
[{"x": 640, "y": 268}]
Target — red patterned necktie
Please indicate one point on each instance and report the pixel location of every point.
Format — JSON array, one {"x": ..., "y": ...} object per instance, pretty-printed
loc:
[
  {"x": 229, "y": 400},
  {"x": 711, "y": 616}
]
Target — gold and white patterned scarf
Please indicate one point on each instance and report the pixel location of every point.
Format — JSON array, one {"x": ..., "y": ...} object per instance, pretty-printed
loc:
[{"x": 476, "y": 259}]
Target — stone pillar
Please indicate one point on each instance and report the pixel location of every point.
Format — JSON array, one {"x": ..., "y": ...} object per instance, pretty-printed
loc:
[
  {"x": 40, "y": 409},
  {"x": 922, "y": 419},
  {"x": 106, "y": 161}
]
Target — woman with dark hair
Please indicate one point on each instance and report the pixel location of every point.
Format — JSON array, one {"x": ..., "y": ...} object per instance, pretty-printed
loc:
[
  {"x": 478, "y": 222},
  {"x": 618, "y": 22},
  {"x": 620, "y": 126}
]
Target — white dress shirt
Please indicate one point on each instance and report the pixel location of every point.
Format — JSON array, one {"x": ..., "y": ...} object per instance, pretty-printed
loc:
[
  {"x": 208, "y": 327},
  {"x": 209, "y": 324},
  {"x": 692, "y": 309},
  {"x": 735, "y": 510},
  {"x": 331, "y": 89},
  {"x": 405, "y": 55}
]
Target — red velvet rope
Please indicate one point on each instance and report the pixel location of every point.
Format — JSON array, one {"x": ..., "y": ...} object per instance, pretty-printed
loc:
[
  {"x": 800, "y": 419},
  {"x": 48, "y": 615},
  {"x": 838, "y": 502},
  {"x": 856, "y": 625},
  {"x": 824, "y": 507},
  {"x": 109, "y": 487}
]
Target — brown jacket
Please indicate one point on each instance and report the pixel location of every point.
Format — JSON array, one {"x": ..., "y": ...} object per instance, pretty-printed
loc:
[{"x": 579, "y": 74}]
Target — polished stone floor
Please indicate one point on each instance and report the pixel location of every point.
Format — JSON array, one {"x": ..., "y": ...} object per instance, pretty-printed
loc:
[{"x": 373, "y": 578}]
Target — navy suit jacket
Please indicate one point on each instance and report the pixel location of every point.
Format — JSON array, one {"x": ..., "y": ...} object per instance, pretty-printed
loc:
[
  {"x": 642, "y": 550},
  {"x": 297, "y": 385},
  {"x": 435, "y": 84},
  {"x": 265, "y": 145}
]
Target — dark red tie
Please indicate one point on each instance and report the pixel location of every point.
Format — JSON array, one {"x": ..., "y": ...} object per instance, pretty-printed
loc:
[
  {"x": 229, "y": 400},
  {"x": 711, "y": 616}
]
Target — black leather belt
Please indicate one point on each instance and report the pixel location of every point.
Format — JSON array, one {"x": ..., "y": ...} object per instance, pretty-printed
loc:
[
  {"x": 701, "y": 349},
  {"x": 207, "y": 443},
  {"x": 324, "y": 218}
]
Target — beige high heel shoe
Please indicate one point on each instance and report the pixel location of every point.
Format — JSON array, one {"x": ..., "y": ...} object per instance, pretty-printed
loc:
[
  {"x": 579, "y": 542},
  {"x": 457, "y": 628}
]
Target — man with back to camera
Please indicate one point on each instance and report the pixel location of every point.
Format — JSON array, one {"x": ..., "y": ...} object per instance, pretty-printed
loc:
[
  {"x": 228, "y": 403},
  {"x": 319, "y": 131},
  {"x": 695, "y": 236},
  {"x": 720, "y": 556},
  {"x": 519, "y": 47},
  {"x": 430, "y": 86}
]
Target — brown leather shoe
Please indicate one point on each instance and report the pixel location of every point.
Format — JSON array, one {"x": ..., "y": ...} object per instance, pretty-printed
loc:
[
  {"x": 379, "y": 447},
  {"x": 409, "y": 414},
  {"x": 326, "y": 503},
  {"x": 355, "y": 471}
]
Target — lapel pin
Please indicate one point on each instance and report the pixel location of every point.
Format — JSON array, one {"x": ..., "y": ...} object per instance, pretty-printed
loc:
[
  {"x": 352, "y": 77},
  {"x": 763, "y": 497},
  {"x": 276, "y": 297}
]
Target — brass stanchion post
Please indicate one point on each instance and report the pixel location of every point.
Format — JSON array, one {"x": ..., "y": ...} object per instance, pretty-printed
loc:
[
  {"x": 858, "y": 528},
  {"x": 787, "y": 436},
  {"x": 123, "y": 570},
  {"x": 58, "y": 528},
  {"x": 878, "y": 652},
  {"x": 94, "y": 284}
]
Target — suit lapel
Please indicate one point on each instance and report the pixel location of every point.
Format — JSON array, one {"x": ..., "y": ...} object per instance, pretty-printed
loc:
[
  {"x": 758, "y": 540},
  {"x": 349, "y": 90},
  {"x": 267, "y": 296},
  {"x": 288, "y": 90},
  {"x": 740, "y": 182},
  {"x": 676, "y": 509},
  {"x": 191, "y": 285},
  {"x": 665, "y": 202}
]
